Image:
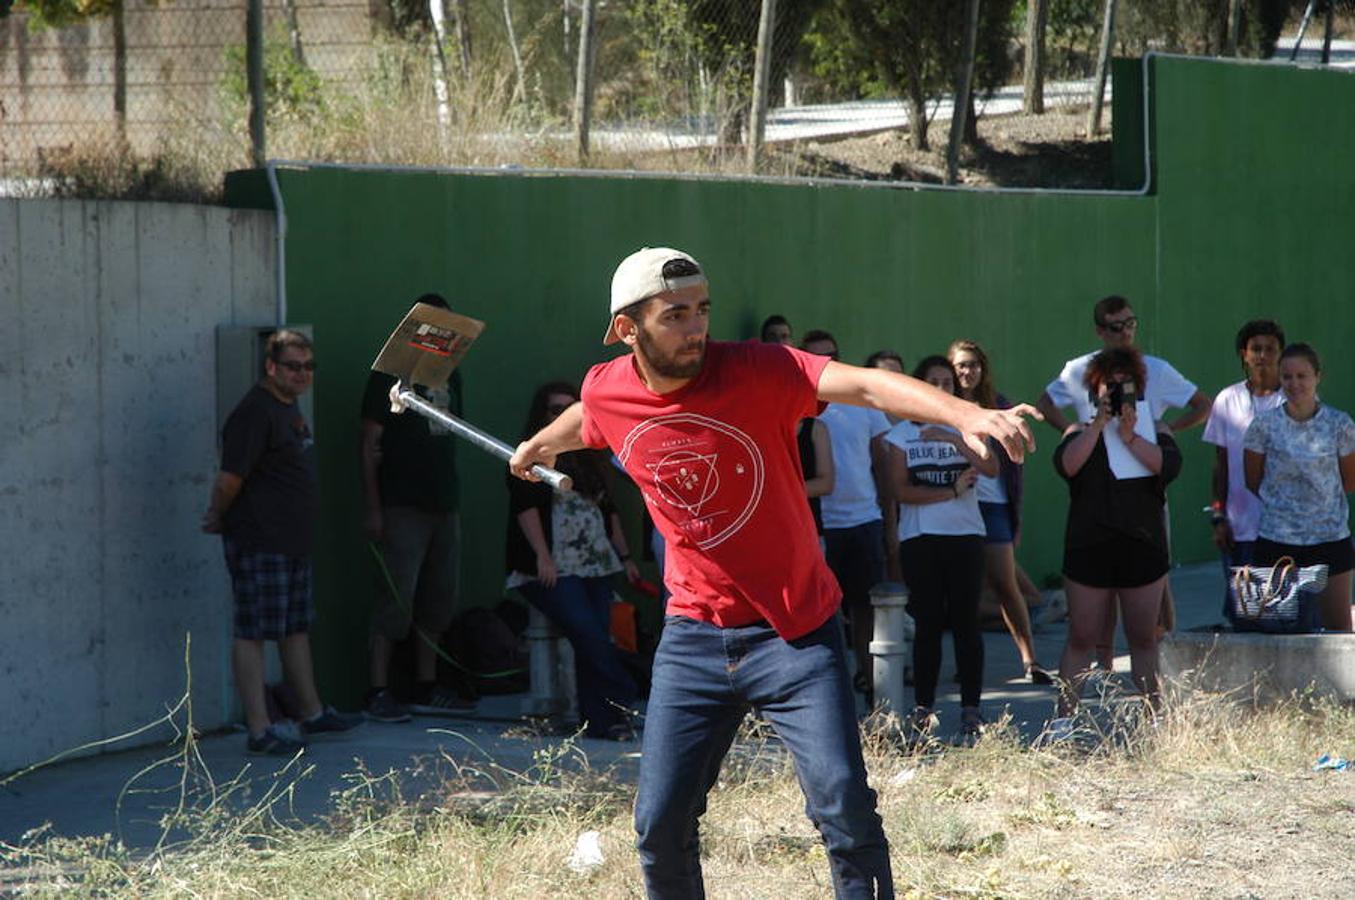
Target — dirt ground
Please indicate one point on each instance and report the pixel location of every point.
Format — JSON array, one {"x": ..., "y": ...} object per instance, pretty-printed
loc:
[{"x": 1048, "y": 151}]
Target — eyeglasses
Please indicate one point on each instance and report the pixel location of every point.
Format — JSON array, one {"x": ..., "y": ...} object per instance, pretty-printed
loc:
[
  {"x": 296, "y": 368},
  {"x": 1121, "y": 325}
]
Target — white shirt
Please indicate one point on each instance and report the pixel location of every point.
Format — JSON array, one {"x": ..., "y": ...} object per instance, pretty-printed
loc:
[
  {"x": 936, "y": 464},
  {"x": 1166, "y": 388},
  {"x": 991, "y": 489},
  {"x": 1234, "y": 409},
  {"x": 854, "y": 500}
]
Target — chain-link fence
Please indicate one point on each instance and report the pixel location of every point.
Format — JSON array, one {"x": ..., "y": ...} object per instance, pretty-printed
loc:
[{"x": 146, "y": 95}]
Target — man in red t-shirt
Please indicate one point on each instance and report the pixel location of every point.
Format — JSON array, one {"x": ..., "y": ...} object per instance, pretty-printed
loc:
[{"x": 706, "y": 429}]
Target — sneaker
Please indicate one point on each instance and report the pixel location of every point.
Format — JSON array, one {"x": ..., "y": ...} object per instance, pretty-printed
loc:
[
  {"x": 274, "y": 743},
  {"x": 383, "y": 707},
  {"x": 920, "y": 725},
  {"x": 620, "y": 732},
  {"x": 435, "y": 700},
  {"x": 1037, "y": 674},
  {"x": 971, "y": 724},
  {"x": 330, "y": 720}
]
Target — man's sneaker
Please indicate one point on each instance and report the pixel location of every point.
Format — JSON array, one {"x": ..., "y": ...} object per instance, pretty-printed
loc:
[
  {"x": 330, "y": 720},
  {"x": 435, "y": 700},
  {"x": 383, "y": 707},
  {"x": 274, "y": 743}
]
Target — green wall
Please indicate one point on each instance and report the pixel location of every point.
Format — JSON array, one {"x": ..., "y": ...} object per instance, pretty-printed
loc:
[{"x": 1250, "y": 216}]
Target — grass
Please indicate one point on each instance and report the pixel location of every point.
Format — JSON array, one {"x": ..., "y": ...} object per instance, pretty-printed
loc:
[{"x": 1211, "y": 798}]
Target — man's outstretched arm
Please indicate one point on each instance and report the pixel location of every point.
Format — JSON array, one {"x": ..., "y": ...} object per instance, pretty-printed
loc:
[
  {"x": 561, "y": 436},
  {"x": 908, "y": 398}
]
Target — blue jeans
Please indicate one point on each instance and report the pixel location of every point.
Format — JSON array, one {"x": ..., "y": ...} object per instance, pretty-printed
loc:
[
  {"x": 706, "y": 678},
  {"x": 581, "y": 608}
]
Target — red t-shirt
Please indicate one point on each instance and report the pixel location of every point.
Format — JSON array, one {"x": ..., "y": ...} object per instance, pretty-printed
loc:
[{"x": 717, "y": 464}]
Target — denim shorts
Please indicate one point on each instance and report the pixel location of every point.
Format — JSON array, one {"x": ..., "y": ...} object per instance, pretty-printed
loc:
[
  {"x": 997, "y": 519},
  {"x": 272, "y": 593}
]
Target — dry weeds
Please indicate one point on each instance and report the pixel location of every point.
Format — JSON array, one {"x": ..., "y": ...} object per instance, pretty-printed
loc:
[{"x": 1212, "y": 798}]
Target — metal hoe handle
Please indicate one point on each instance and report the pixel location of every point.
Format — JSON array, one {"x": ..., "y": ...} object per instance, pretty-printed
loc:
[{"x": 403, "y": 397}]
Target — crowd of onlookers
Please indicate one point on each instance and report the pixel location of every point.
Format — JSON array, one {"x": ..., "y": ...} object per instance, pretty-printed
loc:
[
  {"x": 893, "y": 501},
  {"x": 912, "y": 502}
]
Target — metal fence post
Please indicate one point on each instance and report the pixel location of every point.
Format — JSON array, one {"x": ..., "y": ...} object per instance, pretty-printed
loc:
[
  {"x": 892, "y": 646},
  {"x": 254, "y": 78},
  {"x": 583, "y": 80},
  {"x": 762, "y": 70}
]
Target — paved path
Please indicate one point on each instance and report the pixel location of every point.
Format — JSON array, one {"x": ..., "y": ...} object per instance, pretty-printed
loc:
[{"x": 82, "y": 797}]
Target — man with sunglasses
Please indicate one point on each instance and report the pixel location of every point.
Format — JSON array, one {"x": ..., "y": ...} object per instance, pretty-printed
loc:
[
  {"x": 706, "y": 430},
  {"x": 1117, "y": 326},
  {"x": 264, "y": 506}
]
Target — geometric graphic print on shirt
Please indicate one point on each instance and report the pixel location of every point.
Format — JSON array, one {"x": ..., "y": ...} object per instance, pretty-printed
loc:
[
  {"x": 717, "y": 465},
  {"x": 708, "y": 473}
]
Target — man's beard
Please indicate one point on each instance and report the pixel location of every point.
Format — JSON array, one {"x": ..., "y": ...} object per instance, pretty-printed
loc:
[{"x": 669, "y": 366}]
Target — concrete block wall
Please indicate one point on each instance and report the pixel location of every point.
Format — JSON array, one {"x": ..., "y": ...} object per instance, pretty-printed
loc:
[{"x": 108, "y": 314}]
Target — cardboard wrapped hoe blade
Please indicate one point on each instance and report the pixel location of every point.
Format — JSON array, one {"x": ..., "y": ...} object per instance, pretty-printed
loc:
[{"x": 428, "y": 346}]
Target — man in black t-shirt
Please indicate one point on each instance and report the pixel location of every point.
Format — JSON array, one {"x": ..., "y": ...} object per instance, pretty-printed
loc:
[
  {"x": 410, "y": 482},
  {"x": 264, "y": 504}
]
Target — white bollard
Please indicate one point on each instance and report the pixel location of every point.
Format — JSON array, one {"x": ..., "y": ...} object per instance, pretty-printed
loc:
[
  {"x": 891, "y": 649},
  {"x": 552, "y": 669}
]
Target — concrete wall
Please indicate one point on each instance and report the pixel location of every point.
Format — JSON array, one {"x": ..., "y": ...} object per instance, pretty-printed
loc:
[
  {"x": 108, "y": 383},
  {"x": 58, "y": 83}
]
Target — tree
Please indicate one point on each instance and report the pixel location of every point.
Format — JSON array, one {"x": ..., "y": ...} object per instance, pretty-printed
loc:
[
  {"x": 917, "y": 46},
  {"x": 1037, "y": 14}
]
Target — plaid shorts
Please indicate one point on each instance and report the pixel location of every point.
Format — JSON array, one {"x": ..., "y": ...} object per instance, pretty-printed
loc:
[{"x": 272, "y": 593}]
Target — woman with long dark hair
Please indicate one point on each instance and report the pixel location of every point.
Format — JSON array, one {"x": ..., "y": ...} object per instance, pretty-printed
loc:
[
  {"x": 1000, "y": 504},
  {"x": 933, "y": 472},
  {"x": 563, "y": 551}
]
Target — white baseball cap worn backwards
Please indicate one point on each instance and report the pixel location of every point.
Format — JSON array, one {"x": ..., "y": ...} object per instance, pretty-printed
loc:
[{"x": 640, "y": 276}]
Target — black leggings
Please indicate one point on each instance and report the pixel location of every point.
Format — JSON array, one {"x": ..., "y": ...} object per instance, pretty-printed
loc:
[{"x": 944, "y": 574}]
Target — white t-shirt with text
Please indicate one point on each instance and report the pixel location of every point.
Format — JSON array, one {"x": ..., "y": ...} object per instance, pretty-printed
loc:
[{"x": 935, "y": 464}]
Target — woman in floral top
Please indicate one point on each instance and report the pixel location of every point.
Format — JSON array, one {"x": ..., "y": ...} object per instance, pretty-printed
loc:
[
  {"x": 1300, "y": 460},
  {"x": 563, "y": 551}
]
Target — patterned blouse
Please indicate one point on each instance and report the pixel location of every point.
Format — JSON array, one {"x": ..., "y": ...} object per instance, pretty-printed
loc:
[
  {"x": 579, "y": 543},
  {"x": 1302, "y": 499}
]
